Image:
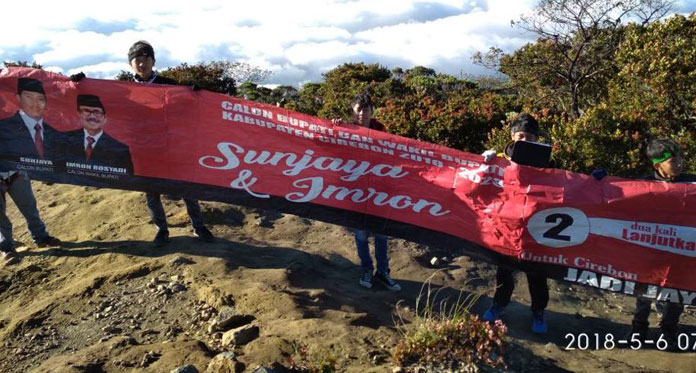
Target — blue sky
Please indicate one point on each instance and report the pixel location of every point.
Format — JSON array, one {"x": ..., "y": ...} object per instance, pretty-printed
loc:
[{"x": 296, "y": 40}]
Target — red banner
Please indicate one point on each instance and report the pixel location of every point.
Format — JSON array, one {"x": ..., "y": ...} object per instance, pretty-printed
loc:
[{"x": 633, "y": 237}]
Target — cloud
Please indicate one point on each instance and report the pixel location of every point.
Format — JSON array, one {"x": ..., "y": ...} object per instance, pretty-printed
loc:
[
  {"x": 106, "y": 28},
  {"x": 298, "y": 41}
]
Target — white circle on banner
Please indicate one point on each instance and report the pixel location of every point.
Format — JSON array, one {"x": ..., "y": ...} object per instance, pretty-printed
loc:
[{"x": 559, "y": 227}]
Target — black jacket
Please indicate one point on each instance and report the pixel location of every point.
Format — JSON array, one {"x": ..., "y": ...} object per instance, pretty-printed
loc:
[
  {"x": 108, "y": 151},
  {"x": 159, "y": 79},
  {"x": 682, "y": 178}
]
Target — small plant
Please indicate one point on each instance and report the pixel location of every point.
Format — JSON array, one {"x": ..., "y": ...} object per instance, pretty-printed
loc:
[
  {"x": 300, "y": 361},
  {"x": 451, "y": 338}
]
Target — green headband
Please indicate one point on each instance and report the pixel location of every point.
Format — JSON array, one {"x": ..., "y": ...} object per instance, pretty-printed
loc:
[{"x": 665, "y": 156}]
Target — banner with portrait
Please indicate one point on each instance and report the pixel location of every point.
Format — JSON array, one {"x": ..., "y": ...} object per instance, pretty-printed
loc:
[{"x": 626, "y": 236}]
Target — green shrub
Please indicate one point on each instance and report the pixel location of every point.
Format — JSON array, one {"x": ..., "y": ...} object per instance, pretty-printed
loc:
[
  {"x": 301, "y": 362},
  {"x": 452, "y": 338}
]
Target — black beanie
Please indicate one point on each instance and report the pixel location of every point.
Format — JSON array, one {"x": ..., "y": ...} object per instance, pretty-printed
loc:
[
  {"x": 89, "y": 100},
  {"x": 29, "y": 84},
  {"x": 140, "y": 48},
  {"x": 525, "y": 123}
]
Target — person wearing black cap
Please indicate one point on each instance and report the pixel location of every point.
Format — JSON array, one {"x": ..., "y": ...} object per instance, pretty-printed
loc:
[
  {"x": 141, "y": 57},
  {"x": 91, "y": 144},
  {"x": 523, "y": 128},
  {"x": 25, "y": 135}
]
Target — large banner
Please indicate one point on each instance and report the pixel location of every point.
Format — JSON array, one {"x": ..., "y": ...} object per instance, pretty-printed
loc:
[{"x": 632, "y": 237}]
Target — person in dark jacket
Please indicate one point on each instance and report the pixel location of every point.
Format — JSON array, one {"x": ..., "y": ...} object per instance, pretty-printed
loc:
[
  {"x": 667, "y": 163},
  {"x": 141, "y": 57},
  {"x": 91, "y": 144},
  {"x": 523, "y": 128}
]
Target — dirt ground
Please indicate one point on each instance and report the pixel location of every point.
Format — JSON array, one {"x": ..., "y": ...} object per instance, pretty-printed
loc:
[{"x": 108, "y": 301}]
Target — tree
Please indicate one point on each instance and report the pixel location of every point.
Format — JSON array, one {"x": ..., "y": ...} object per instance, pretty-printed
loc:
[
  {"x": 284, "y": 94},
  {"x": 216, "y": 76},
  {"x": 309, "y": 99},
  {"x": 572, "y": 59},
  {"x": 342, "y": 83},
  {"x": 243, "y": 72},
  {"x": 212, "y": 76},
  {"x": 33, "y": 65}
]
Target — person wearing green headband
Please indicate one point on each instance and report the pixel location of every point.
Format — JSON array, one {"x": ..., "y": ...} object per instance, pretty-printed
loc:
[
  {"x": 667, "y": 163},
  {"x": 666, "y": 159}
]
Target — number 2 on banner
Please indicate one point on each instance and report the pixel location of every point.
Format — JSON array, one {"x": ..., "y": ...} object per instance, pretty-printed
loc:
[{"x": 559, "y": 227}]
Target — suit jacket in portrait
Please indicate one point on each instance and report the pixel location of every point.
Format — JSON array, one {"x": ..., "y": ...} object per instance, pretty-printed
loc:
[
  {"x": 16, "y": 140},
  {"x": 107, "y": 151}
]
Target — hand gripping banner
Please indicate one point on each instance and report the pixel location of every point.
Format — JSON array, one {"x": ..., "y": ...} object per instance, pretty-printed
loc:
[{"x": 625, "y": 236}]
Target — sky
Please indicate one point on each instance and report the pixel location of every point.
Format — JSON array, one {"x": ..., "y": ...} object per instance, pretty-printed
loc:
[{"x": 296, "y": 40}]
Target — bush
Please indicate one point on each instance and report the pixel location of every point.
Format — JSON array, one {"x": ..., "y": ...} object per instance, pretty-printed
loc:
[
  {"x": 454, "y": 339},
  {"x": 301, "y": 362},
  {"x": 460, "y": 120}
]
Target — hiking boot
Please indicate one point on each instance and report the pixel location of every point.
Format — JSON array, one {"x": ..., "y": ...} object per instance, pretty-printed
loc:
[
  {"x": 539, "y": 323},
  {"x": 493, "y": 312},
  {"x": 161, "y": 239},
  {"x": 387, "y": 281},
  {"x": 10, "y": 257},
  {"x": 48, "y": 241},
  {"x": 203, "y": 234},
  {"x": 366, "y": 279}
]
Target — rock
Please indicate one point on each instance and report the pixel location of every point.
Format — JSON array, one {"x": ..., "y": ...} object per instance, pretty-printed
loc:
[
  {"x": 223, "y": 363},
  {"x": 176, "y": 287},
  {"x": 149, "y": 358},
  {"x": 227, "y": 318},
  {"x": 185, "y": 369},
  {"x": 179, "y": 261},
  {"x": 551, "y": 347},
  {"x": 434, "y": 261},
  {"x": 125, "y": 341},
  {"x": 263, "y": 369},
  {"x": 240, "y": 336}
]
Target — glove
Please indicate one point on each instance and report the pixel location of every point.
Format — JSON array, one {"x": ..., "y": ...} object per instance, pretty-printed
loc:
[
  {"x": 599, "y": 173},
  {"x": 195, "y": 87},
  {"x": 488, "y": 155},
  {"x": 77, "y": 77}
]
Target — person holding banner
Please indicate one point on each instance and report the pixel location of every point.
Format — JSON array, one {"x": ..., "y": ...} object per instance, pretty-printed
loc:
[
  {"x": 90, "y": 143},
  {"x": 523, "y": 128},
  {"x": 141, "y": 58},
  {"x": 667, "y": 162},
  {"x": 362, "y": 110},
  {"x": 24, "y": 134}
]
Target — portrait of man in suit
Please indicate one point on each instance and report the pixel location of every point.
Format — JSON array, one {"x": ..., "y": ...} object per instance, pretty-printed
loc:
[
  {"x": 91, "y": 144},
  {"x": 25, "y": 134}
]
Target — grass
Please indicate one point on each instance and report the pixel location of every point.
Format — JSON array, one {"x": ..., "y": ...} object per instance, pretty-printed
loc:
[
  {"x": 448, "y": 336},
  {"x": 301, "y": 362}
]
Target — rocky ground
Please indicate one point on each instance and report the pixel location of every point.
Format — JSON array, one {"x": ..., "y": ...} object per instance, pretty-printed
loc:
[{"x": 107, "y": 301}]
